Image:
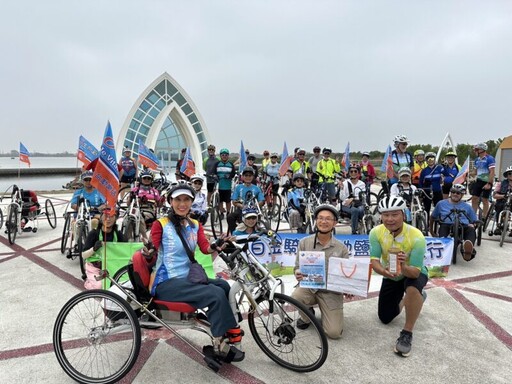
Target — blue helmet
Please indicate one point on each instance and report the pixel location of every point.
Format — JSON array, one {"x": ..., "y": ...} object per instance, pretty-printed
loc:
[{"x": 249, "y": 211}]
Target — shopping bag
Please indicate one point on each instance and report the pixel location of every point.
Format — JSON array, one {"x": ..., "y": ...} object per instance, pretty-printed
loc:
[{"x": 351, "y": 276}]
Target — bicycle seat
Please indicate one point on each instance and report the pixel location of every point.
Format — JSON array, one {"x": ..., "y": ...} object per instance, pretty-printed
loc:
[{"x": 140, "y": 279}]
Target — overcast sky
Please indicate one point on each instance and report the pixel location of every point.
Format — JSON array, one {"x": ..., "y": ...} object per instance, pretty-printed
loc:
[{"x": 305, "y": 72}]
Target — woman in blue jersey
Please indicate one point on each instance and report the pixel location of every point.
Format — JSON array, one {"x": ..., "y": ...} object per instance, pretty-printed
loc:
[
  {"x": 450, "y": 170},
  {"x": 431, "y": 179}
]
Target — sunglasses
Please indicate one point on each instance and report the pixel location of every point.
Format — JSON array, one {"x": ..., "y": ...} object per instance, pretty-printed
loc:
[
  {"x": 88, "y": 179},
  {"x": 273, "y": 157},
  {"x": 146, "y": 177},
  {"x": 354, "y": 171},
  {"x": 316, "y": 151}
]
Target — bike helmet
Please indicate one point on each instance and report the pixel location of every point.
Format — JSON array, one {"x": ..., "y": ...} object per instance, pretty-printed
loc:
[
  {"x": 298, "y": 176},
  {"x": 126, "y": 149},
  {"x": 266, "y": 153},
  {"x": 249, "y": 212},
  {"x": 211, "y": 147},
  {"x": 419, "y": 152},
  {"x": 274, "y": 154},
  {"x": 451, "y": 153},
  {"x": 508, "y": 170},
  {"x": 248, "y": 170},
  {"x": 327, "y": 207},
  {"x": 247, "y": 152},
  {"x": 404, "y": 171},
  {"x": 224, "y": 151},
  {"x": 430, "y": 154},
  {"x": 392, "y": 203},
  {"x": 301, "y": 151},
  {"x": 481, "y": 146},
  {"x": 316, "y": 149},
  {"x": 181, "y": 188},
  {"x": 86, "y": 175},
  {"x": 197, "y": 177},
  {"x": 458, "y": 188},
  {"x": 251, "y": 157},
  {"x": 146, "y": 173},
  {"x": 366, "y": 153},
  {"x": 400, "y": 139},
  {"x": 327, "y": 150}
]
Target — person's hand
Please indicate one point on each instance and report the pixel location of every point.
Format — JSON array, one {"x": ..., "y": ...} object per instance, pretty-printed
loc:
[
  {"x": 148, "y": 250},
  {"x": 298, "y": 275},
  {"x": 218, "y": 244},
  {"x": 97, "y": 245}
]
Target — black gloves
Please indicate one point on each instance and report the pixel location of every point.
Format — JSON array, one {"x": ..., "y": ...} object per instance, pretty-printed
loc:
[
  {"x": 217, "y": 244},
  {"x": 97, "y": 245}
]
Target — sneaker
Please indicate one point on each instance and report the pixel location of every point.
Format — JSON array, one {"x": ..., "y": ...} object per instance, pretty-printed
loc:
[
  {"x": 301, "y": 324},
  {"x": 27, "y": 229},
  {"x": 497, "y": 231},
  {"x": 467, "y": 250},
  {"x": 404, "y": 343}
]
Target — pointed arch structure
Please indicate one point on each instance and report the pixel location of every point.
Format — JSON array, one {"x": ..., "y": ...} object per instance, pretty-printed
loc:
[{"x": 165, "y": 118}]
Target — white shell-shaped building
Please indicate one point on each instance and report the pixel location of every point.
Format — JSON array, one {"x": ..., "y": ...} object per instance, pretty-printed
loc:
[{"x": 166, "y": 119}]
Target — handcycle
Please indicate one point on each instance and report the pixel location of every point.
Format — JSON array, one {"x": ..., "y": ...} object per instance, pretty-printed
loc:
[
  {"x": 368, "y": 221},
  {"x": 77, "y": 225},
  {"x": 130, "y": 225},
  {"x": 504, "y": 220},
  {"x": 20, "y": 208},
  {"x": 456, "y": 229},
  {"x": 419, "y": 217},
  {"x": 309, "y": 205},
  {"x": 97, "y": 334},
  {"x": 215, "y": 213}
]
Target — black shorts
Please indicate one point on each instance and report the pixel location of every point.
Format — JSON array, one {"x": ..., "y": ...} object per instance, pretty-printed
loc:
[
  {"x": 210, "y": 187},
  {"x": 225, "y": 195},
  {"x": 478, "y": 189},
  {"x": 392, "y": 292},
  {"x": 446, "y": 188},
  {"x": 127, "y": 179}
]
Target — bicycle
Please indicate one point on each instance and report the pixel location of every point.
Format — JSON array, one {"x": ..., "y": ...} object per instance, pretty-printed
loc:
[
  {"x": 15, "y": 211},
  {"x": 367, "y": 222},
  {"x": 97, "y": 335},
  {"x": 419, "y": 217},
  {"x": 504, "y": 220},
  {"x": 273, "y": 204},
  {"x": 73, "y": 239},
  {"x": 215, "y": 213},
  {"x": 130, "y": 225}
]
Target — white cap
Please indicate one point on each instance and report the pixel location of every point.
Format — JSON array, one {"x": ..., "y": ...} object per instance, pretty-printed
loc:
[{"x": 182, "y": 191}]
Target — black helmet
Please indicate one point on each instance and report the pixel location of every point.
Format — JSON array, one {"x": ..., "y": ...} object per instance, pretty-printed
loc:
[
  {"x": 248, "y": 170},
  {"x": 327, "y": 150},
  {"x": 181, "y": 188},
  {"x": 251, "y": 157},
  {"x": 327, "y": 207},
  {"x": 298, "y": 176}
]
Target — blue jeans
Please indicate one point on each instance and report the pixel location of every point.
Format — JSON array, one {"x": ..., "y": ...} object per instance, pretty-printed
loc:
[
  {"x": 213, "y": 295},
  {"x": 356, "y": 213}
]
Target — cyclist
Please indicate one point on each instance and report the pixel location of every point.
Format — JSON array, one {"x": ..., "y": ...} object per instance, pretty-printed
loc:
[
  {"x": 405, "y": 189},
  {"x": 225, "y": 171},
  {"x": 249, "y": 222},
  {"x": 301, "y": 165},
  {"x": 107, "y": 231},
  {"x": 351, "y": 202},
  {"x": 442, "y": 213},
  {"x": 169, "y": 278},
  {"x": 250, "y": 163},
  {"x": 413, "y": 275},
  {"x": 450, "y": 171},
  {"x": 296, "y": 204},
  {"x": 199, "y": 210},
  {"x": 209, "y": 166},
  {"x": 326, "y": 169},
  {"x": 266, "y": 159},
  {"x": 313, "y": 162},
  {"x": 240, "y": 197},
  {"x": 502, "y": 191},
  {"x": 419, "y": 165},
  {"x": 430, "y": 181},
  {"x": 149, "y": 201},
  {"x": 330, "y": 303},
  {"x": 400, "y": 157},
  {"x": 129, "y": 170},
  {"x": 94, "y": 198},
  {"x": 367, "y": 171},
  {"x": 270, "y": 173},
  {"x": 484, "y": 165},
  {"x": 29, "y": 207}
]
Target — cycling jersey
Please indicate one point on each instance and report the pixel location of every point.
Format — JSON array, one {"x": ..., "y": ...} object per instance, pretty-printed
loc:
[
  {"x": 411, "y": 241},
  {"x": 449, "y": 172},
  {"x": 416, "y": 171},
  {"x": 209, "y": 165},
  {"x": 430, "y": 178},
  {"x": 483, "y": 165},
  {"x": 272, "y": 170},
  {"x": 129, "y": 166},
  {"x": 326, "y": 168},
  {"x": 225, "y": 171},
  {"x": 300, "y": 167},
  {"x": 240, "y": 193},
  {"x": 401, "y": 160},
  {"x": 313, "y": 162},
  {"x": 147, "y": 195},
  {"x": 94, "y": 198},
  {"x": 442, "y": 212}
]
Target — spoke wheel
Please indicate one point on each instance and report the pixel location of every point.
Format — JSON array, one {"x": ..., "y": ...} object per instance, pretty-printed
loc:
[
  {"x": 479, "y": 228},
  {"x": 121, "y": 275},
  {"x": 12, "y": 223},
  {"x": 65, "y": 241},
  {"x": 130, "y": 229},
  {"x": 488, "y": 217},
  {"x": 504, "y": 221},
  {"x": 96, "y": 337},
  {"x": 455, "y": 241},
  {"x": 216, "y": 222},
  {"x": 1, "y": 218},
  {"x": 421, "y": 223},
  {"x": 80, "y": 242},
  {"x": 274, "y": 328},
  {"x": 50, "y": 213}
]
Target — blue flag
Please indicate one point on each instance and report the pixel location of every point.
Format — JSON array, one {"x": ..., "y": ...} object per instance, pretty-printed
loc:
[
  {"x": 383, "y": 166},
  {"x": 346, "y": 157},
  {"x": 285, "y": 161},
  {"x": 146, "y": 157},
  {"x": 24, "y": 154},
  {"x": 188, "y": 166},
  {"x": 243, "y": 157},
  {"x": 86, "y": 151}
]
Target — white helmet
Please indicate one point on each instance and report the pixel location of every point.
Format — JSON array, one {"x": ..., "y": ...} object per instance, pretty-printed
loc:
[
  {"x": 400, "y": 139},
  {"x": 197, "y": 177},
  {"x": 481, "y": 146},
  {"x": 404, "y": 171},
  {"x": 509, "y": 169},
  {"x": 392, "y": 203}
]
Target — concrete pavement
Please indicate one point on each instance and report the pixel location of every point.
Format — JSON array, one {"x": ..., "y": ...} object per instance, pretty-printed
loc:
[{"x": 463, "y": 335}]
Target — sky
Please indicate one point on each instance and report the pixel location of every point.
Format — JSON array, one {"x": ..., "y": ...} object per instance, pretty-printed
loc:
[{"x": 309, "y": 73}]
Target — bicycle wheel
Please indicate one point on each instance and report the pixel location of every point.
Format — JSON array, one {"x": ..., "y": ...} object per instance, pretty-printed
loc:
[
  {"x": 505, "y": 217},
  {"x": 216, "y": 222},
  {"x": 65, "y": 241},
  {"x": 455, "y": 241},
  {"x": 121, "y": 275},
  {"x": 50, "y": 213},
  {"x": 274, "y": 214},
  {"x": 310, "y": 227},
  {"x": 421, "y": 223},
  {"x": 96, "y": 337},
  {"x": 488, "y": 217},
  {"x": 273, "y": 326},
  {"x": 478, "y": 228},
  {"x": 1, "y": 218},
  {"x": 80, "y": 242},
  {"x": 12, "y": 223},
  {"x": 130, "y": 229},
  {"x": 369, "y": 223}
]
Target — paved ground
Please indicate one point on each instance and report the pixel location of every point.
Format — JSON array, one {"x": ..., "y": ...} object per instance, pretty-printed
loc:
[{"x": 464, "y": 334}]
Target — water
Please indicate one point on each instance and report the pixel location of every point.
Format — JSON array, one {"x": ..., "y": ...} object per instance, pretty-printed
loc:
[{"x": 38, "y": 183}]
